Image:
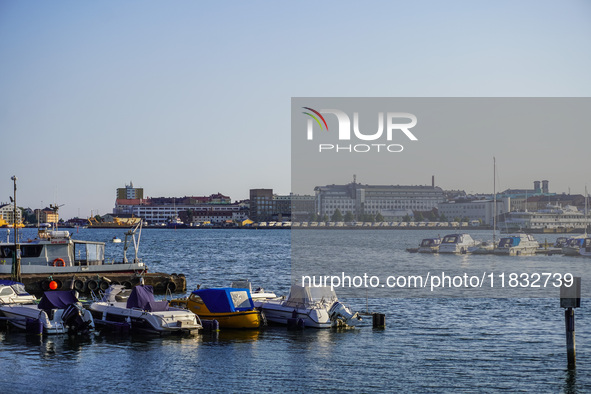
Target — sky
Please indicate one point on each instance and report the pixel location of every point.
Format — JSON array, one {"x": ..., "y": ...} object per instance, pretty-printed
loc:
[{"x": 193, "y": 97}]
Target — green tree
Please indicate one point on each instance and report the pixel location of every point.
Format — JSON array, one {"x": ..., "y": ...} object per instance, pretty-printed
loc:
[
  {"x": 406, "y": 218},
  {"x": 349, "y": 217},
  {"x": 324, "y": 218},
  {"x": 313, "y": 217},
  {"x": 419, "y": 217},
  {"x": 431, "y": 216},
  {"x": 443, "y": 218},
  {"x": 379, "y": 217},
  {"x": 337, "y": 216}
]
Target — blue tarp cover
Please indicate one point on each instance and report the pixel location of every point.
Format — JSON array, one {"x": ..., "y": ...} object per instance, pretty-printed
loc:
[
  {"x": 57, "y": 299},
  {"x": 220, "y": 300},
  {"x": 142, "y": 297}
]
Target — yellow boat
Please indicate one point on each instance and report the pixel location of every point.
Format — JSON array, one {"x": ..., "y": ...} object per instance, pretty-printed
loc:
[{"x": 231, "y": 307}]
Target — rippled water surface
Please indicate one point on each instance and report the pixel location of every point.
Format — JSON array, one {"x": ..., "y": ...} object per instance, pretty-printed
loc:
[{"x": 429, "y": 344}]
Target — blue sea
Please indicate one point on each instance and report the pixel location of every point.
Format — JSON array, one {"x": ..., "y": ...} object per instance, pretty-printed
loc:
[{"x": 430, "y": 344}]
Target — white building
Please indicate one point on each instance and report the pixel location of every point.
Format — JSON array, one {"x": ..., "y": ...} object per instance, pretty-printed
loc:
[
  {"x": 481, "y": 210},
  {"x": 372, "y": 199},
  {"x": 552, "y": 218}
]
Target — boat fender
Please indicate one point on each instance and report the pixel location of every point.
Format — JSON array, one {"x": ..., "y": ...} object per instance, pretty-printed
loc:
[
  {"x": 104, "y": 285},
  {"x": 59, "y": 262},
  {"x": 91, "y": 284},
  {"x": 126, "y": 284},
  {"x": 45, "y": 285},
  {"x": 79, "y": 285}
]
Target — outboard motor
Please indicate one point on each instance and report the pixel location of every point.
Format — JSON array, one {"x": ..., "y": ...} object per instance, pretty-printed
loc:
[
  {"x": 341, "y": 316},
  {"x": 73, "y": 319}
]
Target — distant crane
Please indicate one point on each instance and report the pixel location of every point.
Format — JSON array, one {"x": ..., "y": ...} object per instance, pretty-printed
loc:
[{"x": 55, "y": 208}]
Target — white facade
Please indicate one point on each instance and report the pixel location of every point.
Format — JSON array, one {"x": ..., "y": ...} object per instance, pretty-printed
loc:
[
  {"x": 481, "y": 210},
  {"x": 7, "y": 212},
  {"x": 368, "y": 199},
  {"x": 552, "y": 218}
]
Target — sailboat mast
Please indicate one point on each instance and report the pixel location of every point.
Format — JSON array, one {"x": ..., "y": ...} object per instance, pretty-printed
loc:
[{"x": 494, "y": 200}]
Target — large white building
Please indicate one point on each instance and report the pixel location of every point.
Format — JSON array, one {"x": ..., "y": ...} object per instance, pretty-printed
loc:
[{"x": 373, "y": 199}]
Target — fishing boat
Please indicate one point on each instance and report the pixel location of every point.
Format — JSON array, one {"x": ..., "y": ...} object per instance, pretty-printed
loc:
[
  {"x": 429, "y": 245},
  {"x": 58, "y": 312},
  {"x": 231, "y": 307},
  {"x": 54, "y": 252},
  {"x": 12, "y": 293},
  {"x": 457, "y": 243},
  {"x": 317, "y": 307},
  {"x": 137, "y": 311},
  {"x": 519, "y": 244}
]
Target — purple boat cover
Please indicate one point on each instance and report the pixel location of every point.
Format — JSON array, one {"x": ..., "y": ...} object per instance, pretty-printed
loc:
[
  {"x": 142, "y": 297},
  {"x": 57, "y": 299}
]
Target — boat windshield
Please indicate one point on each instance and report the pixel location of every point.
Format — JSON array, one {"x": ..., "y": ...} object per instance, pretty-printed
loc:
[
  {"x": 90, "y": 253},
  {"x": 450, "y": 239}
]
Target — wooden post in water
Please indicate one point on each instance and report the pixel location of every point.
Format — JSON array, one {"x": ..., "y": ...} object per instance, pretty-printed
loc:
[{"x": 570, "y": 297}]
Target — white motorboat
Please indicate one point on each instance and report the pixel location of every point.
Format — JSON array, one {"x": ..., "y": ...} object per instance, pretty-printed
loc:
[
  {"x": 55, "y": 252},
  {"x": 573, "y": 245},
  {"x": 318, "y": 307},
  {"x": 58, "y": 312},
  {"x": 430, "y": 245},
  {"x": 457, "y": 243},
  {"x": 484, "y": 247},
  {"x": 12, "y": 293},
  {"x": 137, "y": 311},
  {"x": 519, "y": 244},
  {"x": 257, "y": 294}
]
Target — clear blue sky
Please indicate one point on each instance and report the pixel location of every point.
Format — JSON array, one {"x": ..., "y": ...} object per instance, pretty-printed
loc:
[{"x": 193, "y": 97}]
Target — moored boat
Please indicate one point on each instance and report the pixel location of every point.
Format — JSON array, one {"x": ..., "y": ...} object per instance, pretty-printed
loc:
[
  {"x": 12, "y": 293},
  {"x": 58, "y": 312},
  {"x": 573, "y": 245},
  {"x": 429, "y": 245},
  {"x": 457, "y": 243},
  {"x": 138, "y": 312},
  {"x": 519, "y": 244},
  {"x": 231, "y": 307},
  {"x": 317, "y": 307}
]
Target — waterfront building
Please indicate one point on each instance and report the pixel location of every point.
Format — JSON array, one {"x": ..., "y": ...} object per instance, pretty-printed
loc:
[
  {"x": 480, "y": 210},
  {"x": 261, "y": 204},
  {"x": 7, "y": 213},
  {"x": 47, "y": 215},
  {"x": 160, "y": 210},
  {"x": 550, "y": 219},
  {"x": 129, "y": 192},
  {"x": 267, "y": 206},
  {"x": 373, "y": 199}
]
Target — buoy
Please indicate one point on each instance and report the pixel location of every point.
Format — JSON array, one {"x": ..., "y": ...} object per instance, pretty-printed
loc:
[
  {"x": 379, "y": 320},
  {"x": 53, "y": 285}
]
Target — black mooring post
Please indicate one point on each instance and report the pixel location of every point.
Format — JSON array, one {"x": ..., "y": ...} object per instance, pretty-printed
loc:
[
  {"x": 569, "y": 323},
  {"x": 570, "y": 297}
]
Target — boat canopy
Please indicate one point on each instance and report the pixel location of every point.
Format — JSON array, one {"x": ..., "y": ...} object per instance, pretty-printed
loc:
[
  {"x": 142, "y": 297},
  {"x": 226, "y": 299},
  {"x": 308, "y": 296},
  {"x": 57, "y": 299},
  {"x": 18, "y": 287},
  {"x": 509, "y": 241}
]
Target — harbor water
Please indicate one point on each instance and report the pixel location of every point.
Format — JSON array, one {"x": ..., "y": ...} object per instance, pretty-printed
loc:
[{"x": 430, "y": 344}]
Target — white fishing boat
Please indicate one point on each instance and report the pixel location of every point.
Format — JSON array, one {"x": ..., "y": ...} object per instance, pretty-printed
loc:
[
  {"x": 137, "y": 311},
  {"x": 54, "y": 252},
  {"x": 429, "y": 245},
  {"x": 457, "y": 243},
  {"x": 519, "y": 244},
  {"x": 58, "y": 312},
  {"x": 12, "y": 293},
  {"x": 317, "y": 307}
]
